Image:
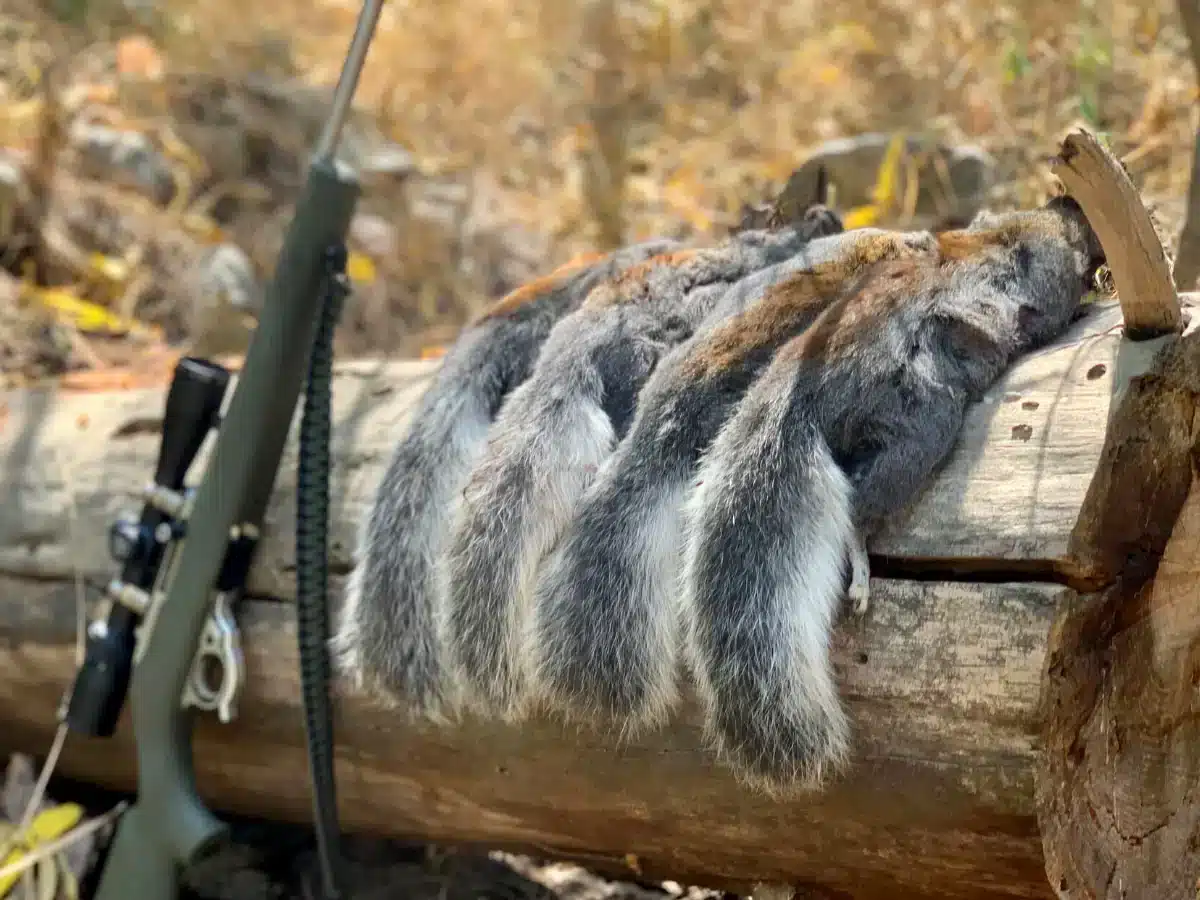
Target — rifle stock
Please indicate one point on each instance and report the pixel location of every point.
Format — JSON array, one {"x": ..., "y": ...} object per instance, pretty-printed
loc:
[{"x": 169, "y": 826}]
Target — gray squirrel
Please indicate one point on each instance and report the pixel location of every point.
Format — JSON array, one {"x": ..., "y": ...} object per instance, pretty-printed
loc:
[
  {"x": 842, "y": 431},
  {"x": 386, "y": 634},
  {"x": 556, "y": 429}
]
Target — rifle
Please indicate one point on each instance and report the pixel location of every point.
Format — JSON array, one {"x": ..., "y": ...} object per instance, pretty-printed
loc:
[{"x": 157, "y": 645}]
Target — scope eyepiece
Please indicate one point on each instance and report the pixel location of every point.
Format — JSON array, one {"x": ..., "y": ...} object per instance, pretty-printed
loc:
[{"x": 193, "y": 402}]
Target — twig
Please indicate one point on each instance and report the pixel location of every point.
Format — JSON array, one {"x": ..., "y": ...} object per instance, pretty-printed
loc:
[
  {"x": 605, "y": 157},
  {"x": 1096, "y": 179},
  {"x": 50, "y": 848}
]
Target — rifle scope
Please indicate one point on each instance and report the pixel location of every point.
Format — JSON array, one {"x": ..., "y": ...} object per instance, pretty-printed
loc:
[{"x": 139, "y": 545}]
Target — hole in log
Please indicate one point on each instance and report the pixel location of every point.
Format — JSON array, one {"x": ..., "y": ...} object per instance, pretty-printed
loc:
[
  {"x": 1022, "y": 432},
  {"x": 1096, "y": 371}
]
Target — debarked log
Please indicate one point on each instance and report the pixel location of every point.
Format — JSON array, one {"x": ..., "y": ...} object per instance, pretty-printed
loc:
[{"x": 1008, "y": 638}]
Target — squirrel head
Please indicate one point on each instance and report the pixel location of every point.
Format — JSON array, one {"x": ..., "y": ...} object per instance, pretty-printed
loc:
[{"x": 1089, "y": 252}]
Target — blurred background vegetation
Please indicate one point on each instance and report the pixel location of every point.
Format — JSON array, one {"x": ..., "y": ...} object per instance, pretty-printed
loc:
[{"x": 152, "y": 148}]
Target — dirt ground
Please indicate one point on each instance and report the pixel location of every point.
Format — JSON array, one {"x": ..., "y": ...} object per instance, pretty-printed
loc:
[{"x": 265, "y": 860}]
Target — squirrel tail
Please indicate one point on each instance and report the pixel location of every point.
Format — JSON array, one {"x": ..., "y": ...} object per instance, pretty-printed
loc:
[
  {"x": 603, "y": 631},
  {"x": 541, "y": 455},
  {"x": 386, "y": 639},
  {"x": 768, "y": 528}
]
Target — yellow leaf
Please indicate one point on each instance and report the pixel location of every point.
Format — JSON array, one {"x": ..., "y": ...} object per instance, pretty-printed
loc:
[
  {"x": 109, "y": 267},
  {"x": 46, "y": 826},
  {"x": 360, "y": 268},
  {"x": 54, "y": 822},
  {"x": 828, "y": 74},
  {"x": 884, "y": 192},
  {"x": 860, "y": 217},
  {"x": 87, "y": 317}
]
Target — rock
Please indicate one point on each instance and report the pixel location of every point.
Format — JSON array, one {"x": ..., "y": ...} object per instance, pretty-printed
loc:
[
  {"x": 375, "y": 235},
  {"x": 124, "y": 157},
  {"x": 226, "y": 298},
  {"x": 852, "y": 167},
  {"x": 226, "y": 272},
  {"x": 11, "y": 187}
]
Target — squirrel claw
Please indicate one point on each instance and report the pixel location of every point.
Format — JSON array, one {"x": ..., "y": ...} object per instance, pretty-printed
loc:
[{"x": 860, "y": 577}]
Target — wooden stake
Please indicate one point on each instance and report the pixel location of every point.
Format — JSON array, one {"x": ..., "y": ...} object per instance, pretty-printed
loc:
[{"x": 1098, "y": 181}]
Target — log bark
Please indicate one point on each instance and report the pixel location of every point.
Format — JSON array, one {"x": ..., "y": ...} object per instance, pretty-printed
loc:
[
  {"x": 1118, "y": 793},
  {"x": 969, "y": 698}
]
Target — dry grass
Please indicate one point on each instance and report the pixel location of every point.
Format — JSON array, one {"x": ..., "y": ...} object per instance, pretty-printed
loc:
[
  {"x": 727, "y": 96},
  {"x": 589, "y": 123}
]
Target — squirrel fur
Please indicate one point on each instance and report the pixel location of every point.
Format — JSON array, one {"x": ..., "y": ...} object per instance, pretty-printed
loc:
[
  {"x": 604, "y": 604},
  {"x": 841, "y": 432},
  {"x": 686, "y": 466},
  {"x": 554, "y": 432},
  {"x": 385, "y": 640}
]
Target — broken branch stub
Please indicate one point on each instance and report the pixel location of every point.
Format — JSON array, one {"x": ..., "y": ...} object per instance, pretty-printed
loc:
[{"x": 1098, "y": 181}]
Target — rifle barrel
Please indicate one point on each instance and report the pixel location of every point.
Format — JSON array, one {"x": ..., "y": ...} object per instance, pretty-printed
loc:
[{"x": 343, "y": 94}]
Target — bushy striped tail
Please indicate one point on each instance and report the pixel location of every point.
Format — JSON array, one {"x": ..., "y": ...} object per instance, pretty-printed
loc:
[
  {"x": 603, "y": 634},
  {"x": 540, "y": 458},
  {"x": 769, "y": 525},
  {"x": 386, "y": 640}
]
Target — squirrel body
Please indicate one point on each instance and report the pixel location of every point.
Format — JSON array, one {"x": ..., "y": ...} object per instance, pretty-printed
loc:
[
  {"x": 555, "y": 431},
  {"x": 847, "y": 424},
  {"x": 604, "y": 598}
]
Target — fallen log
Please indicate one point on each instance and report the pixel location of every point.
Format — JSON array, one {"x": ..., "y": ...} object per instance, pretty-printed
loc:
[{"x": 947, "y": 681}]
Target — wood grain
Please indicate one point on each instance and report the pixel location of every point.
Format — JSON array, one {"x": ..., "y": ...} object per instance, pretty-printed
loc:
[
  {"x": 942, "y": 683},
  {"x": 1117, "y": 782}
]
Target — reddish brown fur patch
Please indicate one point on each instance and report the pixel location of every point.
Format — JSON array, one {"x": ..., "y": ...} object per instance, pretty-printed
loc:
[
  {"x": 960, "y": 245},
  {"x": 859, "y": 309},
  {"x": 632, "y": 285},
  {"x": 540, "y": 286},
  {"x": 787, "y": 304},
  {"x": 782, "y": 307},
  {"x": 956, "y": 246}
]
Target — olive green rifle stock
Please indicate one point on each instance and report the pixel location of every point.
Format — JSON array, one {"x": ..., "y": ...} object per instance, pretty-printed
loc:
[{"x": 169, "y": 826}]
